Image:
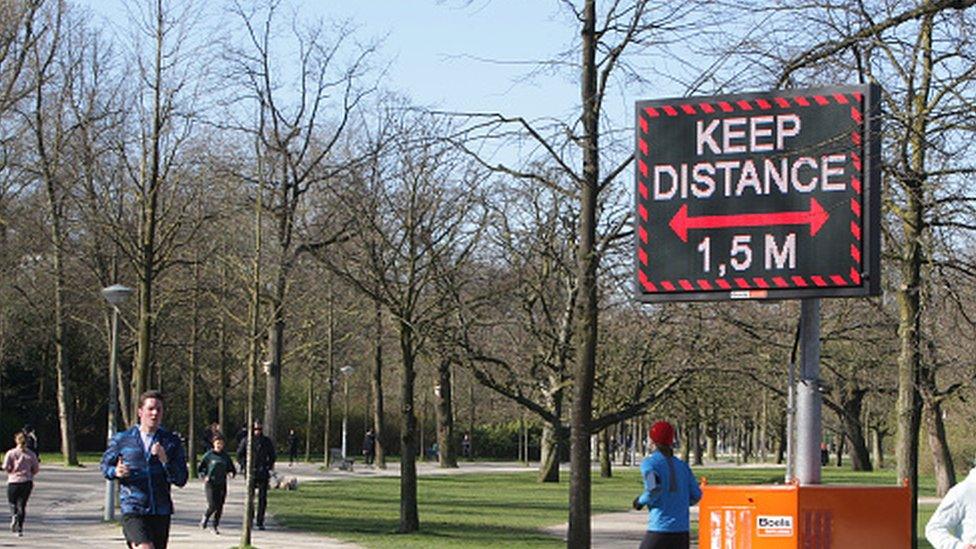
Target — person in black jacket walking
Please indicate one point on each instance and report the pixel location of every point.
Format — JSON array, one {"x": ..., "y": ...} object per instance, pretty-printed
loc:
[
  {"x": 292, "y": 447},
  {"x": 264, "y": 462},
  {"x": 214, "y": 467}
]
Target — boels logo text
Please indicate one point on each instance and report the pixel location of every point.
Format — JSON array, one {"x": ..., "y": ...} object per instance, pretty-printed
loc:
[{"x": 774, "y": 526}]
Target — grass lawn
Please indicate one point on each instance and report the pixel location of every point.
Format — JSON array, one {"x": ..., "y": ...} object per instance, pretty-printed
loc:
[
  {"x": 84, "y": 458},
  {"x": 489, "y": 510}
]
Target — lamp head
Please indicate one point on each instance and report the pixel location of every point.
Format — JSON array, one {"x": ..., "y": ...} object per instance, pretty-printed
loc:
[{"x": 116, "y": 294}]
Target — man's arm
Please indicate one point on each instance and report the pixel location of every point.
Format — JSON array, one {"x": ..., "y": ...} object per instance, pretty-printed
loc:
[
  {"x": 110, "y": 458},
  {"x": 202, "y": 468},
  {"x": 942, "y": 529},
  {"x": 175, "y": 467},
  {"x": 652, "y": 488},
  {"x": 272, "y": 455}
]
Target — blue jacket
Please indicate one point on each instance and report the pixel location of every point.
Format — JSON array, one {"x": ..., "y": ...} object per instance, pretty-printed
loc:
[
  {"x": 146, "y": 490},
  {"x": 667, "y": 495}
]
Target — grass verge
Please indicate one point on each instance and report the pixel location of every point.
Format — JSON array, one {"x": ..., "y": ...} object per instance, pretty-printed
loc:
[{"x": 490, "y": 510}]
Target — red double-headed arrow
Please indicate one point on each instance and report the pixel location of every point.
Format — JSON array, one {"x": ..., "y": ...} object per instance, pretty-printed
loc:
[{"x": 816, "y": 216}]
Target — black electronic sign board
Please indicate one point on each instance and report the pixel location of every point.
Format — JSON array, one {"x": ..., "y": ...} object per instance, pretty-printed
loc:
[{"x": 758, "y": 196}]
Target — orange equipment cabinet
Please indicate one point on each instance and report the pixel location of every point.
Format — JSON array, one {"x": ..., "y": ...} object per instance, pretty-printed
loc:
[{"x": 793, "y": 516}]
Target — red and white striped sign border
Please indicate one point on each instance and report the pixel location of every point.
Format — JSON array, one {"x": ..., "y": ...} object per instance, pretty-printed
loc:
[{"x": 851, "y": 278}]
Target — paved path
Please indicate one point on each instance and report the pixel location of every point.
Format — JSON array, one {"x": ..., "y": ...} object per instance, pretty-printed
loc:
[{"x": 66, "y": 507}]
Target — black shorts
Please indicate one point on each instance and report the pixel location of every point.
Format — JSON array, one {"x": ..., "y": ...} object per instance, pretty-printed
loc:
[
  {"x": 665, "y": 540},
  {"x": 146, "y": 529}
]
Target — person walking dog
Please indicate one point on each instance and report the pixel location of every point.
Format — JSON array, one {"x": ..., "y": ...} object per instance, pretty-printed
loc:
[{"x": 264, "y": 462}]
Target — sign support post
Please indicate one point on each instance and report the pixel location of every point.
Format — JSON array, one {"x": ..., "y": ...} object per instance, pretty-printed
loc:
[{"x": 808, "y": 419}]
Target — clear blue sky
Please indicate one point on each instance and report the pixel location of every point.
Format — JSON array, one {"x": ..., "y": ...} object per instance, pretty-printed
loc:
[{"x": 460, "y": 55}]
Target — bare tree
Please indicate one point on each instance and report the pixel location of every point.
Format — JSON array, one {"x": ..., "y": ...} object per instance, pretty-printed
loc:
[
  {"x": 416, "y": 221},
  {"x": 301, "y": 127}
]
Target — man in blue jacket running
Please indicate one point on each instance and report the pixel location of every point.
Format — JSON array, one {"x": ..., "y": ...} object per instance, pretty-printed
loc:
[
  {"x": 146, "y": 460},
  {"x": 669, "y": 490}
]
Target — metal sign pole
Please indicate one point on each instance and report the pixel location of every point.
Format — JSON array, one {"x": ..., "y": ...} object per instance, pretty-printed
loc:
[{"x": 808, "y": 400}]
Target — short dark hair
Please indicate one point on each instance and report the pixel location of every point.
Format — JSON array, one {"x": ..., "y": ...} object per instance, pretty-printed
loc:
[
  {"x": 151, "y": 393},
  {"x": 217, "y": 437}
]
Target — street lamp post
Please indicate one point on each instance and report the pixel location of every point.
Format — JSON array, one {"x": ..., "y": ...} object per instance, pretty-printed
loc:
[
  {"x": 115, "y": 295},
  {"x": 346, "y": 372}
]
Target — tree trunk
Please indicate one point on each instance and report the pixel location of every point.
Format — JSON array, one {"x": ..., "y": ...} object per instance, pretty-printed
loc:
[
  {"x": 578, "y": 536},
  {"x": 763, "y": 420},
  {"x": 445, "y": 416},
  {"x": 124, "y": 386},
  {"x": 698, "y": 449},
  {"x": 550, "y": 443},
  {"x": 49, "y": 161},
  {"x": 877, "y": 448},
  {"x": 781, "y": 443},
  {"x": 471, "y": 420},
  {"x": 379, "y": 423},
  {"x": 945, "y": 471},
  {"x": 148, "y": 222},
  {"x": 409, "y": 517},
  {"x": 686, "y": 431},
  {"x": 840, "y": 441},
  {"x": 191, "y": 429},
  {"x": 252, "y": 364},
  {"x": 330, "y": 389},
  {"x": 606, "y": 464},
  {"x": 65, "y": 399},
  {"x": 711, "y": 443},
  {"x": 277, "y": 345},
  {"x": 854, "y": 430},
  {"x": 910, "y": 289},
  {"x": 222, "y": 345},
  {"x": 310, "y": 409}
]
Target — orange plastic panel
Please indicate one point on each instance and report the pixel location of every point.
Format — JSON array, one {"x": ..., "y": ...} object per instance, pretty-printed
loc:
[{"x": 790, "y": 516}]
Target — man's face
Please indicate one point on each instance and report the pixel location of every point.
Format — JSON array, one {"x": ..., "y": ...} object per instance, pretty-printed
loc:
[
  {"x": 257, "y": 430},
  {"x": 151, "y": 413},
  {"x": 219, "y": 445}
]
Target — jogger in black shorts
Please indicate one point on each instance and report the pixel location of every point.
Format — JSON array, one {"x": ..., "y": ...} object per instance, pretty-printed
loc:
[{"x": 146, "y": 460}]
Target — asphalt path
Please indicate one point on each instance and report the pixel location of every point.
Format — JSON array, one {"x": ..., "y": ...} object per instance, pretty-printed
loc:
[{"x": 65, "y": 510}]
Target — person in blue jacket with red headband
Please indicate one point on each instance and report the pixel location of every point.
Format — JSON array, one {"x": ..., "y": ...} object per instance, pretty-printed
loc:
[
  {"x": 146, "y": 460},
  {"x": 669, "y": 490}
]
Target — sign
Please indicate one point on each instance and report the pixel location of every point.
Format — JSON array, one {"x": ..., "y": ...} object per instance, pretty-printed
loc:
[
  {"x": 774, "y": 526},
  {"x": 761, "y": 195}
]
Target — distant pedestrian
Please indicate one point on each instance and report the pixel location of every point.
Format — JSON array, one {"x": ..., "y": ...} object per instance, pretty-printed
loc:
[
  {"x": 264, "y": 462},
  {"x": 669, "y": 490},
  {"x": 369, "y": 447},
  {"x": 824, "y": 454},
  {"x": 28, "y": 431},
  {"x": 214, "y": 467},
  {"x": 146, "y": 459},
  {"x": 466, "y": 446},
  {"x": 209, "y": 434},
  {"x": 20, "y": 464},
  {"x": 292, "y": 447}
]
